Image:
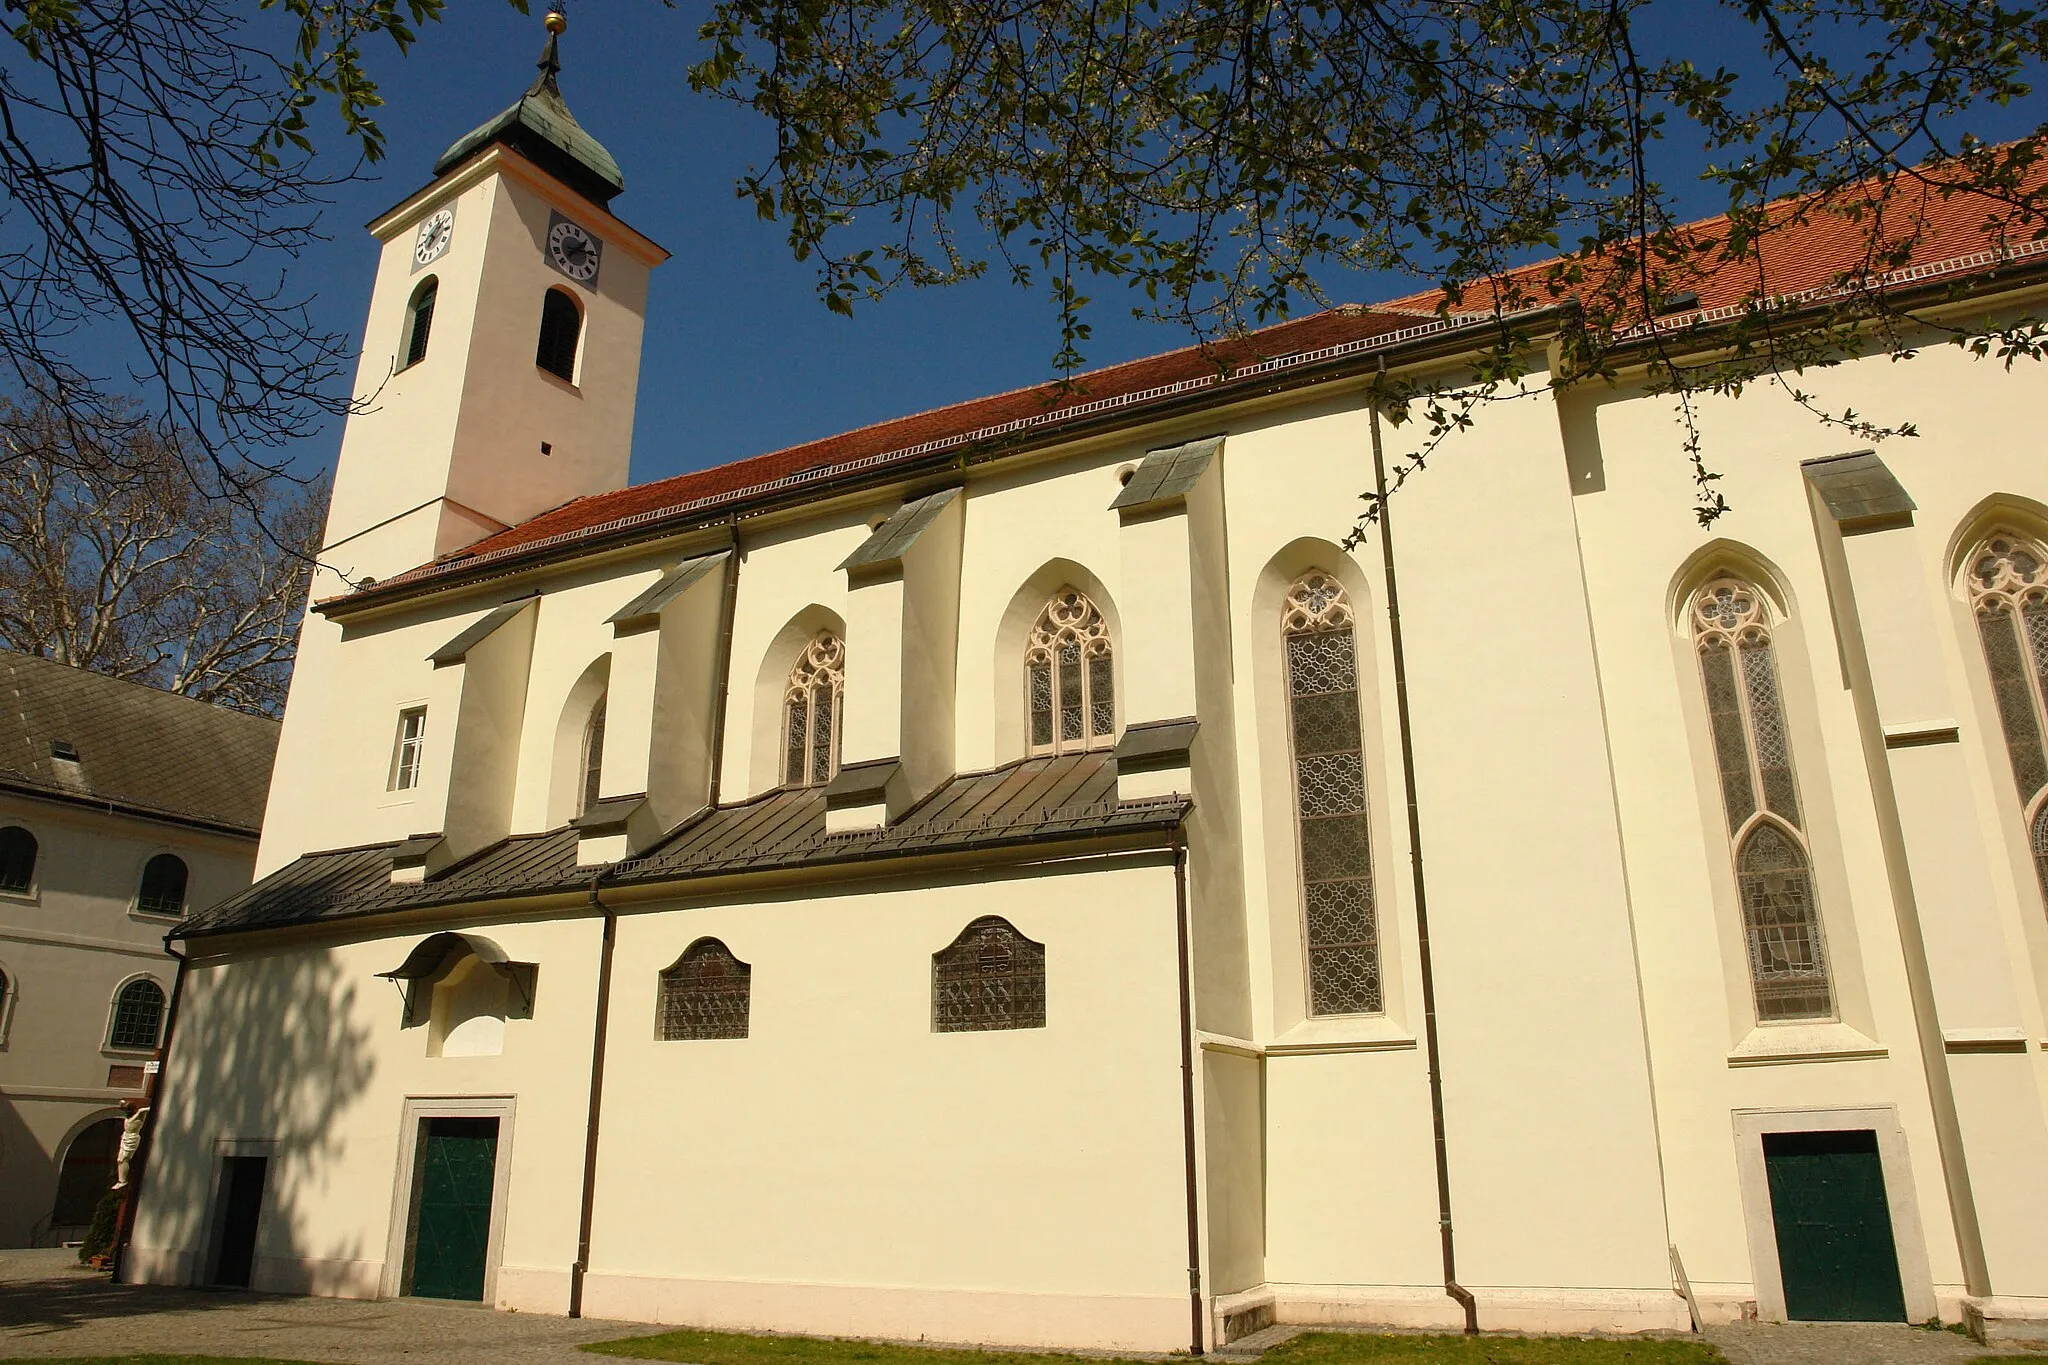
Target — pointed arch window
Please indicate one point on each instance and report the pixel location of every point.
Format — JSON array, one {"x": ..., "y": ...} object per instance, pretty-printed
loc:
[
  {"x": 990, "y": 977},
  {"x": 17, "y": 860},
  {"x": 138, "y": 1015},
  {"x": 561, "y": 325},
  {"x": 1070, "y": 677},
  {"x": 1340, "y": 922},
  {"x": 419, "y": 321},
  {"x": 705, "y": 993},
  {"x": 593, "y": 754},
  {"x": 2009, "y": 592},
  {"x": 163, "y": 886},
  {"x": 810, "y": 713},
  {"x": 1788, "y": 967}
]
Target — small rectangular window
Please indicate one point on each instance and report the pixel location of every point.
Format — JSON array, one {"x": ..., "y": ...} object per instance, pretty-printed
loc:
[{"x": 412, "y": 739}]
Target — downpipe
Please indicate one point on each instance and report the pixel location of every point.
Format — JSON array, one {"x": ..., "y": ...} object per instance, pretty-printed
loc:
[
  {"x": 1187, "y": 1088},
  {"x": 597, "y": 1047},
  {"x": 1458, "y": 1292}
]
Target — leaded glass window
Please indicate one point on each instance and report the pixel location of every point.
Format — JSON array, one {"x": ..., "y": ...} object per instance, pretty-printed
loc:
[
  {"x": 1069, "y": 677},
  {"x": 138, "y": 1015},
  {"x": 705, "y": 994},
  {"x": 593, "y": 754},
  {"x": 1340, "y": 923},
  {"x": 1788, "y": 972},
  {"x": 810, "y": 713},
  {"x": 2009, "y": 590},
  {"x": 990, "y": 977}
]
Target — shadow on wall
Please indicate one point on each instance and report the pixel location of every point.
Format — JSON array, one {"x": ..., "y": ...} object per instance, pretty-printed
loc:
[{"x": 270, "y": 1057}]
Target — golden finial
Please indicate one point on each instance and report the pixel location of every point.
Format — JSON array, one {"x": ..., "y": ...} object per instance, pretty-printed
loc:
[{"x": 556, "y": 21}]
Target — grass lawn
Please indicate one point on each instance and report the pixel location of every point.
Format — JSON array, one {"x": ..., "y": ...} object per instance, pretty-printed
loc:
[{"x": 1312, "y": 1348}]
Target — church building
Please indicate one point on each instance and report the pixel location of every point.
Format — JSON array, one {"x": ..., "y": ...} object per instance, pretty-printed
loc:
[{"x": 1547, "y": 915}]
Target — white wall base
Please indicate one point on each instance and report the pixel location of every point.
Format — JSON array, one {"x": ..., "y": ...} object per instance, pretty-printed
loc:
[
  {"x": 533, "y": 1289},
  {"x": 331, "y": 1279},
  {"x": 2007, "y": 1320},
  {"x": 1500, "y": 1310},
  {"x": 965, "y": 1316},
  {"x": 159, "y": 1265}
]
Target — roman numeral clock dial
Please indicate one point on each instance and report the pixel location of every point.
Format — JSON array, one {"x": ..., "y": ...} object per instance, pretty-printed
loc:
[{"x": 573, "y": 251}]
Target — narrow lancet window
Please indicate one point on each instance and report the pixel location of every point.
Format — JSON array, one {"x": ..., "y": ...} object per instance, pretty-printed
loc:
[
  {"x": 1752, "y": 749},
  {"x": 1340, "y": 923},
  {"x": 810, "y": 713},
  {"x": 705, "y": 993},
  {"x": 593, "y": 754},
  {"x": 990, "y": 977},
  {"x": 1069, "y": 677},
  {"x": 2009, "y": 590},
  {"x": 419, "y": 322}
]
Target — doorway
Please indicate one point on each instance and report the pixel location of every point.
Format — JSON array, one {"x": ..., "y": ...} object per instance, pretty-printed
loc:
[
  {"x": 241, "y": 1199},
  {"x": 1833, "y": 1226},
  {"x": 454, "y": 1184}
]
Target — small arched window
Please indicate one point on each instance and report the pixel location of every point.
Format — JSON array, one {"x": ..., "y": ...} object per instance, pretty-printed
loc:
[
  {"x": 705, "y": 993},
  {"x": 1753, "y": 751},
  {"x": 163, "y": 886},
  {"x": 138, "y": 1015},
  {"x": 1340, "y": 923},
  {"x": 419, "y": 321},
  {"x": 593, "y": 754},
  {"x": 561, "y": 324},
  {"x": 1069, "y": 677},
  {"x": 2009, "y": 590},
  {"x": 17, "y": 859},
  {"x": 990, "y": 977},
  {"x": 810, "y": 713}
]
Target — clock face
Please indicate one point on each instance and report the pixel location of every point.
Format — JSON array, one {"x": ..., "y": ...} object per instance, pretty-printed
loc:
[
  {"x": 573, "y": 251},
  {"x": 435, "y": 235}
]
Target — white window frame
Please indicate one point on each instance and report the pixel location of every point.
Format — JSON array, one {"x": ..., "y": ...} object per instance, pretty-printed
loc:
[
  {"x": 108, "y": 1048},
  {"x": 418, "y": 751}
]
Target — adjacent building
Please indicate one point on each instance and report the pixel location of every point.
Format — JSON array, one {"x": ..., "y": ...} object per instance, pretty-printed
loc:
[
  {"x": 122, "y": 810},
  {"x": 970, "y": 877}
]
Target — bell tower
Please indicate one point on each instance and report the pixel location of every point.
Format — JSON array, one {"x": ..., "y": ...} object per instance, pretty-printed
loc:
[{"x": 502, "y": 352}]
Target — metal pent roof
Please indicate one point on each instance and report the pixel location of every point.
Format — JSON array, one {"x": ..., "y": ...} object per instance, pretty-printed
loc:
[{"x": 1038, "y": 802}]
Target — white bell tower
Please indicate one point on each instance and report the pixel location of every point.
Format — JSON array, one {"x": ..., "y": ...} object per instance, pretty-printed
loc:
[{"x": 502, "y": 352}]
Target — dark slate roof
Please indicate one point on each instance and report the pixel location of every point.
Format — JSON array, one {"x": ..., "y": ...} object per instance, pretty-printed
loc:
[
  {"x": 540, "y": 128},
  {"x": 1039, "y": 801},
  {"x": 140, "y": 750}
]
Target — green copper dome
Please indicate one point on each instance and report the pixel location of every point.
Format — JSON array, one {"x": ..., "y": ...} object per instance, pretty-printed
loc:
[{"x": 541, "y": 129}]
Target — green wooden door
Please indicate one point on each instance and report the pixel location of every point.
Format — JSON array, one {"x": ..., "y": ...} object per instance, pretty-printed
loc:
[
  {"x": 452, "y": 1220},
  {"x": 1835, "y": 1251}
]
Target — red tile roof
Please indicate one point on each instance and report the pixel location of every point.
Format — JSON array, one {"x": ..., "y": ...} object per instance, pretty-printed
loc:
[{"x": 1813, "y": 256}]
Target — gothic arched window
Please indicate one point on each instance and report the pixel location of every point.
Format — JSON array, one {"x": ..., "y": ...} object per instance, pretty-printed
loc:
[
  {"x": 810, "y": 713},
  {"x": 1339, "y": 920},
  {"x": 990, "y": 977},
  {"x": 138, "y": 1015},
  {"x": 163, "y": 886},
  {"x": 1752, "y": 749},
  {"x": 706, "y": 993},
  {"x": 2009, "y": 590},
  {"x": 593, "y": 754},
  {"x": 561, "y": 324},
  {"x": 17, "y": 859},
  {"x": 419, "y": 321},
  {"x": 1069, "y": 677}
]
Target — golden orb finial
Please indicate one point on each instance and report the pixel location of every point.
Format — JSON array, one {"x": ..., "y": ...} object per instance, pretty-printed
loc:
[{"x": 556, "y": 21}]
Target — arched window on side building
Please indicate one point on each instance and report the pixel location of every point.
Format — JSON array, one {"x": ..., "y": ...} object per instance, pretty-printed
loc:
[
  {"x": 17, "y": 860},
  {"x": 163, "y": 886},
  {"x": 990, "y": 977},
  {"x": 2009, "y": 593},
  {"x": 1069, "y": 677},
  {"x": 810, "y": 713},
  {"x": 705, "y": 993},
  {"x": 138, "y": 1016}
]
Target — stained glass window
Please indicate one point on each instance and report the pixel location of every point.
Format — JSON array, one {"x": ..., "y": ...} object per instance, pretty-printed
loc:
[
  {"x": 1340, "y": 921},
  {"x": 990, "y": 977},
  {"x": 1069, "y": 677},
  {"x": 1753, "y": 754},
  {"x": 705, "y": 994},
  {"x": 2009, "y": 590},
  {"x": 810, "y": 713},
  {"x": 593, "y": 754}
]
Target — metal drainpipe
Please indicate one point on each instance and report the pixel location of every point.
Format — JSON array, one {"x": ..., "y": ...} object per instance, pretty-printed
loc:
[
  {"x": 1436, "y": 1080},
  {"x": 1187, "y": 1088},
  {"x": 597, "y": 1042},
  {"x": 726, "y": 609},
  {"x": 139, "y": 1167}
]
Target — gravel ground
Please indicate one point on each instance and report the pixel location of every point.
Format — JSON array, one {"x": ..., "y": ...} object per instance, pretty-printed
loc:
[{"x": 1826, "y": 1343}]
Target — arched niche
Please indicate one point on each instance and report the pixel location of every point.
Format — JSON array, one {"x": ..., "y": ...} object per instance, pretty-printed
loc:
[
  {"x": 463, "y": 987},
  {"x": 565, "y": 766}
]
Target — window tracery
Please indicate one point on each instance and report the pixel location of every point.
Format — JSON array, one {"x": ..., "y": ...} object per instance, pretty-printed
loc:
[
  {"x": 1788, "y": 969},
  {"x": 1340, "y": 922},
  {"x": 810, "y": 713},
  {"x": 2009, "y": 594},
  {"x": 1070, "y": 677},
  {"x": 990, "y": 977},
  {"x": 705, "y": 993}
]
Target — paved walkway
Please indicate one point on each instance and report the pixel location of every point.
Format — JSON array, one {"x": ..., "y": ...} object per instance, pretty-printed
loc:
[{"x": 49, "y": 1307}]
